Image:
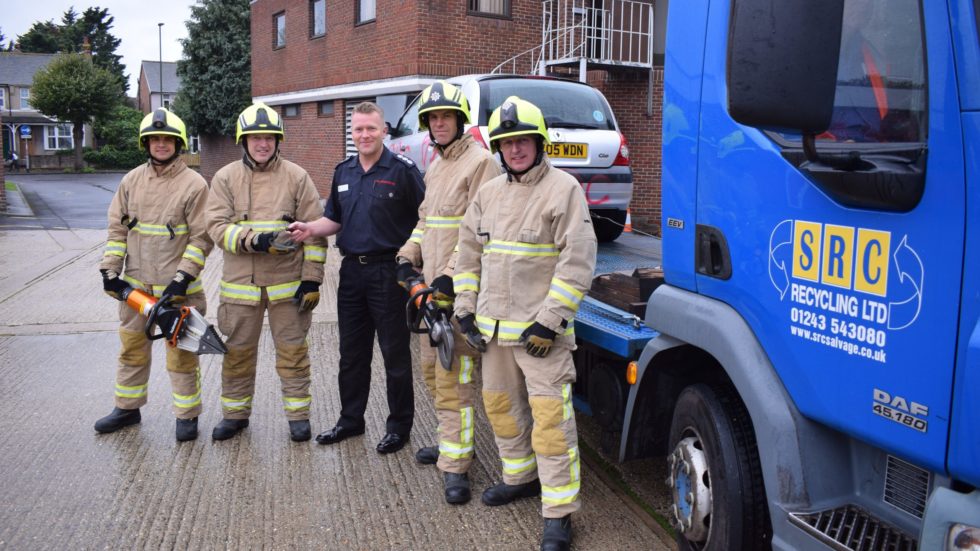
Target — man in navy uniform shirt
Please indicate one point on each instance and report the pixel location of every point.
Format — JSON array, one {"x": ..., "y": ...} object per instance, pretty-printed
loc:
[{"x": 373, "y": 208}]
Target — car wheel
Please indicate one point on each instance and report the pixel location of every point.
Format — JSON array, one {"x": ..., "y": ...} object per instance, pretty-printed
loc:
[
  {"x": 715, "y": 479},
  {"x": 608, "y": 224}
]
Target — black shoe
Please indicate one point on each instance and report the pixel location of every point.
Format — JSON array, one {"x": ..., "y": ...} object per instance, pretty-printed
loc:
[
  {"x": 428, "y": 455},
  {"x": 502, "y": 493},
  {"x": 118, "y": 419},
  {"x": 392, "y": 442},
  {"x": 299, "y": 431},
  {"x": 186, "y": 429},
  {"x": 557, "y": 534},
  {"x": 457, "y": 487},
  {"x": 337, "y": 434},
  {"x": 228, "y": 428}
]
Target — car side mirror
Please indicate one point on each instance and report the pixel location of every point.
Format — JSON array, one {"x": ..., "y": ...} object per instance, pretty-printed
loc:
[{"x": 782, "y": 63}]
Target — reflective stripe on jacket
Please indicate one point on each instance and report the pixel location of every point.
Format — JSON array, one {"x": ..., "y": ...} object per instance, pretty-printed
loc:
[
  {"x": 450, "y": 185},
  {"x": 526, "y": 253},
  {"x": 157, "y": 225},
  {"x": 246, "y": 200}
]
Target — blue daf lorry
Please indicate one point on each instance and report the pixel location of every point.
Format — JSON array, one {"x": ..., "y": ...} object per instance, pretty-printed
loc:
[{"x": 809, "y": 363}]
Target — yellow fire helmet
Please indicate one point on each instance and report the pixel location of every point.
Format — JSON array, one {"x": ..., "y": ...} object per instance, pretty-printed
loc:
[
  {"x": 442, "y": 95},
  {"x": 259, "y": 118},
  {"x": 162, "y": 123},
  {"x": 516, "y": 117}
]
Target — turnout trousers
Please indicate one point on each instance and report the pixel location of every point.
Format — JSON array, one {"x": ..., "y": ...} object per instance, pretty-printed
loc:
[
  {"x": 529, "y": 403},
  {"x": 242, "y": 326},
  {"x": 370, "y": 300},
  {"x": 454, "y": 394},
  {"x": 133, "y": 373}
]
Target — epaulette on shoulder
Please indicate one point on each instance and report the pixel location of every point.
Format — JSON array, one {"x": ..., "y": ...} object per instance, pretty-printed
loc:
[
  {"x": 404, "y": 159},
  {"x": 346, "y": 159}
]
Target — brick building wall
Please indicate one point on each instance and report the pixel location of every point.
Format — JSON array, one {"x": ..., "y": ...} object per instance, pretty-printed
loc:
[
  {"x": 316, "y": 142},
  {"x": 216, "y": 152}
]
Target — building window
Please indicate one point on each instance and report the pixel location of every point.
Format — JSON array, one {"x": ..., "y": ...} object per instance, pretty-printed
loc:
[
  {"x": 325, "y": 109},
  {"x": 3, "y": 98},
  {"x": 25, "y": 98},
  {"x": 290, "y": 111},
  {"x": 365, "y": 10},
  {"x": 498, "y": 8},
  {"x": 279, "y": 30},
  {"x": 195, "y": 144},
  {"x": 58, "y": 137},
  {"x": 166, "y": 101},
  {"x": 318, "y": 18}
]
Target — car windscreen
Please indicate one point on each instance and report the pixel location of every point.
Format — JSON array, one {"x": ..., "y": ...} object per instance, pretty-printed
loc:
[{"x": 564, "y": 104}]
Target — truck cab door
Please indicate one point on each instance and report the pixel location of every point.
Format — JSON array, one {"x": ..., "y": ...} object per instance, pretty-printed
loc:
[{"x": 846, "y": 253}]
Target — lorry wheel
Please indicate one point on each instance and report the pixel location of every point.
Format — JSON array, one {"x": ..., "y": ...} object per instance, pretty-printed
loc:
[
  {"x": 715, "y": 479},
  {"x": 608, "y": 224}
]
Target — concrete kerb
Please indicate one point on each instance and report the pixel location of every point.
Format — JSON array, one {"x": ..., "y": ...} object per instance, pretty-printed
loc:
[{"x": 16, "y": 204}]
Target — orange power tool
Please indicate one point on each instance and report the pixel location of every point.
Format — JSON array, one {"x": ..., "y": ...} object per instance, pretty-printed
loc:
[
  {"x": 182, "y": 326},
  {"x": 422, "y": 307}
]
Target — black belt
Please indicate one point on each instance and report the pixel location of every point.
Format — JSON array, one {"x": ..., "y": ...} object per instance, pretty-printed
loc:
[{"x": 370, "y": 258}]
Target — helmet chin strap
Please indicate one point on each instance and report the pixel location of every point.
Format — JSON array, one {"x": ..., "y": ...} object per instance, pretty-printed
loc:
[
  {"x": 459, "y": 131},
  {"x": 251, "y": 160},
  {"x": 537, "y": 160},
  {"x": 157, "y": 162}
]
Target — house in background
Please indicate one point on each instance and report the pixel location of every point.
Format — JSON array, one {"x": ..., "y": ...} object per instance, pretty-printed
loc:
[
  {"x": 150, "y": 94},
  {"x": 314, "y": 60},
  {"x": 36, "y": 138}
]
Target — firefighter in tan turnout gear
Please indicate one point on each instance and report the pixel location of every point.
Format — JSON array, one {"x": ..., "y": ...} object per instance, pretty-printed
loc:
[
  {"x": 251, "y": 203},
  {"x": 450, "y": 184},
  {"x": 157, "y": 243},
  {"x": 526, "y": 255}
]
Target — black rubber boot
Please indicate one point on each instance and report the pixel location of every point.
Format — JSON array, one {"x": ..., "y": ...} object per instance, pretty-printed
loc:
[
  {"x": 502, "y": 493},
  {"x": 457, "y": 487},
  {"x": 557, "y": 534},
  {"x": 228, "y": 428},
  {"x": 299, "y": 431},
  {"x": 428, "y": 455},
  {"x": 118, "y": 419},
  {"x": 186, "y": 429}
]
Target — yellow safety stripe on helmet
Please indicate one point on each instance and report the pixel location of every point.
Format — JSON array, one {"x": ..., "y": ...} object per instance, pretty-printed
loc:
[
  {"x": 466, "y": 369},
  {"x": 443, "y": 222},
  {"x": 232, "y": 236},
  {"x": 194, "y": 254},
  {"x": 566, "y": 401},
  {"x": 195, "y": 286},
  {"x": 467, "y": 281},
  {"x": 265, "y": 225},
  {"x": 282, "y": 291},
  {"x": 511, "y": 330},
  {"x": 520, "y": 249},
  {"x": 296, "y": 404},
  {"x": 160, "y": 229},
  {"x": 416, "y": 235},
  {"x": 241, "y": 292},
  {"x": 115, "y": 248},
  {"x": 312, "y": 253},
  {"x": 463, "y": 448},
  {"x": 236, "y": 404},
  {"x": 518, "y": 465},
  {"x": 565, "y": 293},
  {"x": 138, "y": 391}
]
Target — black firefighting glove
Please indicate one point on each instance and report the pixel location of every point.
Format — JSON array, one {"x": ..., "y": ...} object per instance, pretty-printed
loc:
[
  {"x": 176, "y": 291},
  {"x": 307, "y": 296},
  {"x": 444, "y": 288},
  {"x": 273, "y": 242},
  {"x": 113, "y": 285},
  {"x": 406, "y": 274},
  {"x": 467, "y": 326},
  {"x": 537, "y": 340}
]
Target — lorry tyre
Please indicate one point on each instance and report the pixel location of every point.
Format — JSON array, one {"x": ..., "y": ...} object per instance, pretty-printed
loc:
[
  {"x": 714, "y": 475},
  {"x": 608, "y": 224}
]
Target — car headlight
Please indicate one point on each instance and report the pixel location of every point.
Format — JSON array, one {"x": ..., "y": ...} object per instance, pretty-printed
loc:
[{"x": 963, "y": 537}]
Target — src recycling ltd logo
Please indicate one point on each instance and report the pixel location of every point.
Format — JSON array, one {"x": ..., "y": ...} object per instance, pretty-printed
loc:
[{"x": 848, "y": 286}]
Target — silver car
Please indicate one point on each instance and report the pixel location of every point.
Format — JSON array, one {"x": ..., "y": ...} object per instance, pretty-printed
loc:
[{"x": 585, "y": 139}]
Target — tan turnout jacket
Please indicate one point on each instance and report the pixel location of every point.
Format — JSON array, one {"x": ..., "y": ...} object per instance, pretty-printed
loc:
[
  {"x": 157, "y": 226},
  {"x": 526, "y": 253},
  {"x": 245, "y": 200},
  {"x": 450, "y": 185}
]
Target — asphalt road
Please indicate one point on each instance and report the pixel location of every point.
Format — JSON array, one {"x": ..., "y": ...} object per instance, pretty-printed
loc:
[{"x": 62, "y": 485}]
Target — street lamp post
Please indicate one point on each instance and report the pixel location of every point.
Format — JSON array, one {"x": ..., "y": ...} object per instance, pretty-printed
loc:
[{"x": 160, "y": 33}]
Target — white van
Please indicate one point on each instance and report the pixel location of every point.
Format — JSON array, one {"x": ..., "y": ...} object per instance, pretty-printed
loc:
[{"x": 585, "y": 139}]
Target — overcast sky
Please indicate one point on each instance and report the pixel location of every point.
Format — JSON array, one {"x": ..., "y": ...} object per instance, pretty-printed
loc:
[{"x": 135, "y": 25}]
